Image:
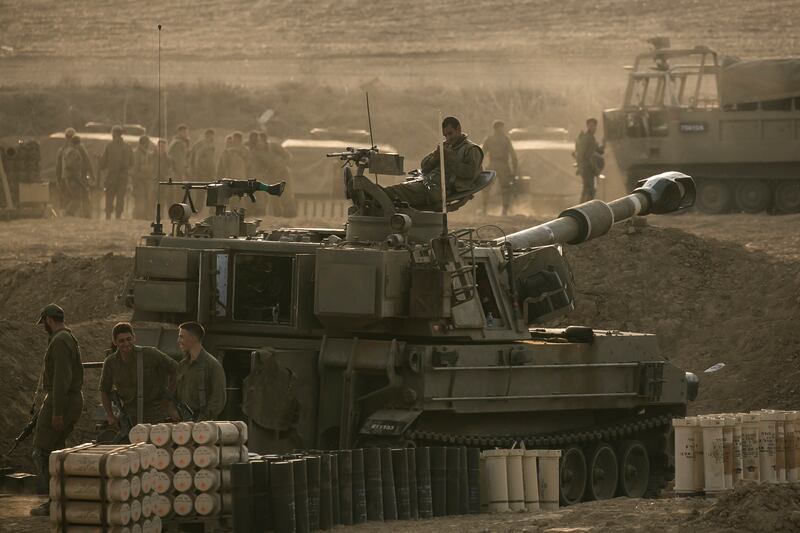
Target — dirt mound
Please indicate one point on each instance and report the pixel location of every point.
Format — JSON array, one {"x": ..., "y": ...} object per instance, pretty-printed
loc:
[
  {"x": 754, "y": 508},
  {"x": 87, "y": 288},
  {"x": 708, "y": 301}
]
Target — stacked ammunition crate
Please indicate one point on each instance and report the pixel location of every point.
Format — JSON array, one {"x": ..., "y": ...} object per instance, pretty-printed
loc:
[
  {"x": 102, "y": 488},
  {"x": 191, "y": 478}
]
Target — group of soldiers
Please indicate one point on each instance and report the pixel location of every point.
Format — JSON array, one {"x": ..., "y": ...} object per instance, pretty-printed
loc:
[
  {"x": 138, "y": 171},
  {"x": 151, "y": 386}
]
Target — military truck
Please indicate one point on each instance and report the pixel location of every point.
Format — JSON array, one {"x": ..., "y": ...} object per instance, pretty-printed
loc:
[
  {"x": 732, "y": 125},
  {"x": 398, "y": 330}
]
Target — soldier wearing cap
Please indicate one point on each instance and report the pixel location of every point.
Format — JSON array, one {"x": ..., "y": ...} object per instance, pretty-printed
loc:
[
  {"x": 201, "y": 379},
  {"x": 140, "y": 374},
  {"x": 117, "y": 161},
  {"x": 61, "y": 381},
  {"x": 588, "y": 155},
  {"x": 179, "y": 151},
  {"x": 503, "y": 160},
  {"x": 88, "y": 169}
]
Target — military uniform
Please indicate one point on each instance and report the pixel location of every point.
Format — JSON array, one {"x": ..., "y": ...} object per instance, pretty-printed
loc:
[
  {"x": 88, "y": 170},
  {"x": 586, "y": 151},
  {"x": 462, "y": 165},
  {"x": 201, "y": 385},
  {"x": 179, "y": 153},
  {"x": 277, "y": 169},
  {"x": 234, "y": 163},
  {"x": 121, "y": 374},
  {"x": 202, "y": 160},
  {"x": 74, "y": 181},
  {"x": 117, "y": 160},
  {"x": 143, "y": 174},
  {"x": 503, "y": 160}
]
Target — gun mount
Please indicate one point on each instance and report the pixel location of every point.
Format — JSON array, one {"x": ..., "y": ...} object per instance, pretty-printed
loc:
[
  {"x": 390, "y": 331},
  {"x": 223, "y": 223}
]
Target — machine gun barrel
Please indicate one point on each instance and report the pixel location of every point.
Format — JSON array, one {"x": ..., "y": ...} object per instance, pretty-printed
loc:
[{"x": 659, "y": 194}]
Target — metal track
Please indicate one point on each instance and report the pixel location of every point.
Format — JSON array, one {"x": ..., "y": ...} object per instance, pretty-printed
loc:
[{"x": 556, "y": 440}]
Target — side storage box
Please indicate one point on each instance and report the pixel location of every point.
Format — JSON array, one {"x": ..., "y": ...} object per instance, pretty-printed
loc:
[
  {"x": 156, "y": 262},
  {"x": 165, "y": 296}
]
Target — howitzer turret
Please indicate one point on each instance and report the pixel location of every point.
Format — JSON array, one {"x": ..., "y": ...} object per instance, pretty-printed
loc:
[{"x": 395, "y": 330}]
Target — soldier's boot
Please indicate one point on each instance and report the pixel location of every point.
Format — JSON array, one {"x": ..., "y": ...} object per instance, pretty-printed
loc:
[{"x": 41, "y": 460}]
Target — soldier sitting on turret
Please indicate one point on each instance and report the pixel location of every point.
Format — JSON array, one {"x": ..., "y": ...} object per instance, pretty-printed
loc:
[{"x": 462, "y": 163}]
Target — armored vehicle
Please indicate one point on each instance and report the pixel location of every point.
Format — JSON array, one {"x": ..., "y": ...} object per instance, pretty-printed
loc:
[
  {"x": 395, "y": 330},
  {"x": 730, "y": 124}
]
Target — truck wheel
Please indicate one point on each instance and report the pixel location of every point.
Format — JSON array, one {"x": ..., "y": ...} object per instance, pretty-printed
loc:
[
  {"x": 603, "y": 473},
  {"x": 713, "y": 197},
  {"x": 787, "y": 197},
  {"x": 753, "y": 196},
  {"x": 634, "y": 469},
  {"x": 572, "y": 475}
]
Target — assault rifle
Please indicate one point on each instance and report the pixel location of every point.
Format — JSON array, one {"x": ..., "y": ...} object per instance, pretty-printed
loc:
[
  {"x": 125, "y": 421},
  {"x": 26, "y": 431},
  {"x": 186, "y": 413}
]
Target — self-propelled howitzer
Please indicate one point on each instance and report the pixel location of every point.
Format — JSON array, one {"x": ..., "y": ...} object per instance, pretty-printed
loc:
[{"x": 396, "y": 331}]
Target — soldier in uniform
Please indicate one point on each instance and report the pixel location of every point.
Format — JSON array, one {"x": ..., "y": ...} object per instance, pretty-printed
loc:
[
  {"x": 143, "y": 172},
  {"x": 74, "y": 178},
  {"x": 62, "y": 383},
  {"x": 117, "y": 160},
  {"x": 588, "y": 156},
  {"x": 201, "y": 160},
  {"x": 235, "y": 160},
  {"x": 121, "y": 371},
  {"x": 179, "y": 151},
  {"x": 462, "y": 166},
  {"x": 277, "y": 169},
  {"x": 503, "y": 160},
  {"x": 201, "y": 379},
  {"x": 87, "y": 166}
]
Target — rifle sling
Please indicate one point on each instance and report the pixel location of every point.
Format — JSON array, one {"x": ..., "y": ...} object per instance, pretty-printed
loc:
[{"x": 139, "y": 386}]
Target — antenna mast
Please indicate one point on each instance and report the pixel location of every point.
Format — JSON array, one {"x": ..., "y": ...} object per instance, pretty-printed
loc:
[
  {"x": 158, "y": 228},
  {"x": 371, "y": 138}
]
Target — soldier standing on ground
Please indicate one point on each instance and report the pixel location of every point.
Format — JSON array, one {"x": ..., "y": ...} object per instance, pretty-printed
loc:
[
  {"x": 144, "y": 166},
  {"x": 462, "y": 166},
  {"x": 62, "y": 381},
  {"x": 87, "y": 166},
  {"x": 74, "y": 179},
  {"x": 201, "y": 379},
  {"x": 179, "y": 151},
  {"x": 588, "y": 157},
  {"x": 117, "y": 160},
  {"x": 235, "y": 160},
  {"x": 121, "y": 370},
  {"x": 277, "y": 169},
  {"x": 503, "y": 160},
  {"x": 201, "y": 160}
]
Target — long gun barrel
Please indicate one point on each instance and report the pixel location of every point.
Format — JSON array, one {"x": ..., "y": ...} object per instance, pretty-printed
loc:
[
  {"x": 25, "y": 433},
  {"x": 659, "y": 194}
]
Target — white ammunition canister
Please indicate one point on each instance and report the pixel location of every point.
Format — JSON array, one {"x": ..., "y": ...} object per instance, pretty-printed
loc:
[
  {"x": 516, "y": 486},
  {"x": 162, "y": 506},
  {"x": 497, "y": 479},
  {"x": 205, "y": 433},
  {"x": 182, "y": 480},
  {"x": 548, "y": 478},
  {"x": 780, "y": 446},
  {"x": 162, "y": 482},
  {"x": 156, "y": 525},
  {"x": 183, "y": 505},
  {"x": 136, "y": 485},
  {"x": 139, "y": 433},
  {"x": 207, "y": 480},
  {"x": 232, "y": 454},
  {"x": 530, "y": 480},
  {"x": 728, "y": 428},
  {"x": 766, "y": 447},
  {"x": 147, "y": 482},
  {"x": 162, "y": 458},
  {"x": 161, "y": 434},
  {"x": 88, "y": 488},
  {"x": 136, "y": 510},
  {"x": 147, "y": 505},
  {"x": 242, "y": 430},
  {"x": 85, "y": 463},
  {"x": 738, "y": 467},
  {"x": 751, "y": 460},
  {"x": 685, "y": 454},
  {"x": 90, "y": 513},
  {"x": 137, "y": 528},
  {"x": 207, "y": 503},
  {"x": 182, "y": 433},
  {"x": 182, "y": 457},
  {"x": 791, "y": 445},
  {"x": 206, "y": 456},
  {"x": 713, "y": 454}
]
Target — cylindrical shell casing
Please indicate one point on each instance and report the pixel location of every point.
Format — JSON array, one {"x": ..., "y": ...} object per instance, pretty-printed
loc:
[
  {"x": 183, "y": 504},
  {"x": 207, "y": 479},
  {"x": 89, "y": 488},
  {"x": 182, "y": 433},
  {"x": 182, "y": 456},
  {"x": 139, "y": 433},
  {"x": 496, "y": 465},
  {"x": 161, "y": 434},
  {"x": 548, "y": 478},
  {"x": 77, "y": 512},
  {"x": 207, "y": 503},
  {"x": 84, "y": 463}
]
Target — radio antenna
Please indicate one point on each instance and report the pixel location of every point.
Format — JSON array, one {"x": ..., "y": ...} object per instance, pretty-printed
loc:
[
  {"x": 371, "y": 138},
  {"x": 158, "y": 228}
]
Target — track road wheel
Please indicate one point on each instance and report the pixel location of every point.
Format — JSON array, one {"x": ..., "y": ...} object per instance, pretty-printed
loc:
[
  {"x": 634, "y": 469},
  {"x": 714, "y": 197},
  {"x": 787, "y": 197},
  {"x": 603, "y": 473},
  {"x": 753, "y": 196},
  {"x": 572, "y": 475}
]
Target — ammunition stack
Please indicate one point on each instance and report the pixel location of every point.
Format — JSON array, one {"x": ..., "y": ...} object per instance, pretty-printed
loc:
[
  {"x": 716, "y": 453},
  {"x": 192, "y": 474},
  {"x": 103, "y": 488},
  {"x": 519, "y": 480}
]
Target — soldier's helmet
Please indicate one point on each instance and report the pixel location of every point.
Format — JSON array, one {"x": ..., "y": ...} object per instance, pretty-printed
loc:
[
  {"x": 75, "y": 140},
  {"x": 116, "y": 131},
  {"x": 498, "y": 124},
  {"x": 69, "y": 132}
]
